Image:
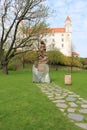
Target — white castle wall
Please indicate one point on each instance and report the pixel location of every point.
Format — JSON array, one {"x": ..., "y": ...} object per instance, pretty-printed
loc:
[
  {"x": 60, "y": 40},
  {"x": 56, "y": 38}
]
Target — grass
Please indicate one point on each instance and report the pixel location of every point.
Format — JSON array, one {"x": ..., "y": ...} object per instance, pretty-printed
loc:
[
  {"x": 78, "y": 78},
  {"x": 24, "y": 107}
]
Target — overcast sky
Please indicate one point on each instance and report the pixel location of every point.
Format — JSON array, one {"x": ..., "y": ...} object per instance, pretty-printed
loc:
[{"x": 77, "y": 11}]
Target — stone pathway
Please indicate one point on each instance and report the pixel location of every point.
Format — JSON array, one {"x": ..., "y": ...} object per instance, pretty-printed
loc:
[{"x": 71, "y": 104}]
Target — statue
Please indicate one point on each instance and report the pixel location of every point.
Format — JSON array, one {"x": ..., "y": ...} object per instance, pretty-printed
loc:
[{"x": 40, "y": 67}]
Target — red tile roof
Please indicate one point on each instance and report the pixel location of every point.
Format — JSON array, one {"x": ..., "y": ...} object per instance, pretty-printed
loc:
[
  {"x": 49, "y": 30},
  {"x": 56, "y": 30},
  {"x": 75, "y": 54},
  {"x": 68, "y": 18}
]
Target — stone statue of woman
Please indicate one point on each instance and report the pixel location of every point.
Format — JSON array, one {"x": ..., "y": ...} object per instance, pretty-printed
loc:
[{"x": 41, "y": 69}]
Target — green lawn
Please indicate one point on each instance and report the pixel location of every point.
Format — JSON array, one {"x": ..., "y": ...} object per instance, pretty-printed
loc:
[
  {"x": 24, "y": 107},
  {"x": 78, "y": 78}
]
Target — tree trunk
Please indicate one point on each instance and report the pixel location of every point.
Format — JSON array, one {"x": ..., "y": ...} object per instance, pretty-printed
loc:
[{"x": 5, "y": 68}]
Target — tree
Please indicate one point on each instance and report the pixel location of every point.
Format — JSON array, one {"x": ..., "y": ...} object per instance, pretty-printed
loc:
[{"x": 12, "y": 14}]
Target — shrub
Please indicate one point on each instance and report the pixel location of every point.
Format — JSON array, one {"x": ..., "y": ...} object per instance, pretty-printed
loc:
[
  {"x": 30, "y": 57},
  {"x": 15, "y": 63},
  {"x": 55, "y": 57}
]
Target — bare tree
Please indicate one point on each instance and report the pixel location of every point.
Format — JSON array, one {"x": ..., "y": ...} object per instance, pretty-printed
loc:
[{"x": 12, "y": 14}]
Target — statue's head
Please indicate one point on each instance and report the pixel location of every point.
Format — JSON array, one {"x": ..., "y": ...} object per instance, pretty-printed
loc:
[
  {"x": 42, "y": 45},
  {"x": 42, "y": 42}
]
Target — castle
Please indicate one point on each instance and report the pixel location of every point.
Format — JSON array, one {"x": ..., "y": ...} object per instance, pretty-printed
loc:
[{"x": 60, "y": 38}]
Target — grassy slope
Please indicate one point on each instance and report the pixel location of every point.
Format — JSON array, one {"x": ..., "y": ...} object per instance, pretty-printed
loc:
[{"x": 24, "y": 107}]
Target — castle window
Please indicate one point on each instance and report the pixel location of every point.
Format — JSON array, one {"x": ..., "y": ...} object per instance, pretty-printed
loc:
[
  {"x": 53, "y": 34},
  {"x": 53, "y": 40},
  {"x": 62, "y": 45},
  {"x": 52, "y": 45},
  {"x": 62, "y": 40}
]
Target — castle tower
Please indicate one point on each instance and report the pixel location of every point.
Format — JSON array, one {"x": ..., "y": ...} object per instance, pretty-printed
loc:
[
  {"x": 68, "y": 36},
  {"x": 20, "y": 30},
  {"x": 68, "y": 25}
]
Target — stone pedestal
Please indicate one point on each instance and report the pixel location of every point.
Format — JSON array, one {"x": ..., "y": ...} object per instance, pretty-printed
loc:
[
  {"x": 68, "y": 79},
  {"x": 41, "y": 73}
]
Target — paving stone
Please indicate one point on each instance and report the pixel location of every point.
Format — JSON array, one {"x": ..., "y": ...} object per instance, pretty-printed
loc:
[
  {"x": 59, "y": 97},
  {"x": 69, "y": 92},
  {"x": 61, "y": 105},
  {"x": 62, "y": 110},
  {"x": 59, "y": 101},
  {"x": 67, "y": 102},
  {"x": 71, "y": 109},
  {"x": 82, "y": 125},
  {"x": 79, "y": 102},
  {"x": 72, "y": 104},
  {"x": 84, "y": 105},
  {"x": 66, "y": 91},
  {"x": 44, "y": 91},
  {"x": 70, "y": 99},
  {"x": 84, "y": 101},
  {"x": 48, "y": 93},
  {"x": 64, "y": 94},
  {"x": 50, "y": 96},
  {"x": 80, "y": 98},
  {"x": 58, "y": 90},
  {"x": 83, "y": 111},
  {"x": 74, "y": 95},
  {"x": 77, "y": 117}
]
